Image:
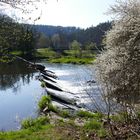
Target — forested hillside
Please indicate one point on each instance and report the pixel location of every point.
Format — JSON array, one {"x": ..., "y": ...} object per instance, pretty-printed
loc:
[
  {"x": 59, "y": 38},
  {"x": 51, "y": 30},
  {"x": 25, "y": 40}
]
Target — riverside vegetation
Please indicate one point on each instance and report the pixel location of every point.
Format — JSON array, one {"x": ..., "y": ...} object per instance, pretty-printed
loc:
[
  {"x": 72, "y": 46},
  {"x": 54, "y": 123},
  {"x": 118, "y": 73},
  {"x": 51, "y": 56},
  {"x": 69, "y": 56}
]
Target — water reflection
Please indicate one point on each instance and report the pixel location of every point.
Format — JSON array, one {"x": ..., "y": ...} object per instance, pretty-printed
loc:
[
  {"x": 11, "y": 74},
  {"x": 19, "y": 94}
]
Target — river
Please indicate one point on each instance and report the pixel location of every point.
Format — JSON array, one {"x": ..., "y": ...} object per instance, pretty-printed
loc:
[{"x": 20, "y": 90}]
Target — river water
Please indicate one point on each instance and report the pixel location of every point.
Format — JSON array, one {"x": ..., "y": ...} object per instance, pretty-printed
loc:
[{"x": 20, "y": 90}]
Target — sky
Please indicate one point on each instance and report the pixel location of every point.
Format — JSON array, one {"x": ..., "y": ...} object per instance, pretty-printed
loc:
[{"x": 79, "y": 13}]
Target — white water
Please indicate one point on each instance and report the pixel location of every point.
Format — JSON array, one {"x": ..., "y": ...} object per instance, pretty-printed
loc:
[{"x": 74, "y": 78}]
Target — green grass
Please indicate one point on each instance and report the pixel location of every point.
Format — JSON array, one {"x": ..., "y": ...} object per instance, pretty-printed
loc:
[
  {"x": 45, "y": 53},
  {"x": 43, "y": 85},
  {"x": 64, "y": 113},
  {"x": 34, "y": 123},
  {"x": 84, "y": 53},
  {"x": 93, "y": 125},
  {"x": 18, "y": 53},
  {"x": 41, "y": 129},
  {"x": 6, "y": 59},
  {"x": 86, "y": 114},
  {"x": 102, "y": 133},
  {"x": 53, "y": 57},
  {"x": 59, "y": 131},
  {"x": 72, "y": 60},
  {"x": 45, "y": 133},
  {"x": 46, "y": 102}
]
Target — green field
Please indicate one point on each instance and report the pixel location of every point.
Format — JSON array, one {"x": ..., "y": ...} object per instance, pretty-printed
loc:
[{"x": 54, "y": 57}]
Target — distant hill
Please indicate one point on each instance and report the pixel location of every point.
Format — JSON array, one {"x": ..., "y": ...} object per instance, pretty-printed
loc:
[
  {"x": 51, "y": 30},
  {"x": 62, "y": 36}
]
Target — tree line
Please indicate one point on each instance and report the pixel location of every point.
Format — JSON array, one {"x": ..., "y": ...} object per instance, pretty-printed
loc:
[
  {"x": 60, "y": 38},
  {"x": 26, "y": 38},
  {"x": 16, "y": 37}
]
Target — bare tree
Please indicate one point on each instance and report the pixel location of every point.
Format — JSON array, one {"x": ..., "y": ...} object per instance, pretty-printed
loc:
[
  {"x": 20, "y": 4},
  {"x": 28, "y": 10}
]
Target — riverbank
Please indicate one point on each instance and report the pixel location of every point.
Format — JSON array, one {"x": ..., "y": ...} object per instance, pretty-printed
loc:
[
  {"x": 54, "y": 57},
  {"x": 54, "y": 127},
  {"x": 61, "y": 124},
  {"x": 72, "y": 60}
]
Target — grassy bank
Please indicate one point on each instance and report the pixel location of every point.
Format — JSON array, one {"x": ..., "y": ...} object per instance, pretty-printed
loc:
[
  {"x": 45, "y": 53},
  {"x": 59, "y": 131},
  {"x": 58, "y": 128},
  {"x": 58, "y": 124},
  {"x": 82, "y": 126},
  {"x": 54, "y": 57},
  {"x": 72, "y": 60}
]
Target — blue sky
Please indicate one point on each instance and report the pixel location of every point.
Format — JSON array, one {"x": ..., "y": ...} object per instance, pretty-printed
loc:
[{"x": 79, "y": 13}]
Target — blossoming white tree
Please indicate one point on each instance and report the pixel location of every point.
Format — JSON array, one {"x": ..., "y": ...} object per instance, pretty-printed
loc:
[{"x": 118, "y": 65}]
